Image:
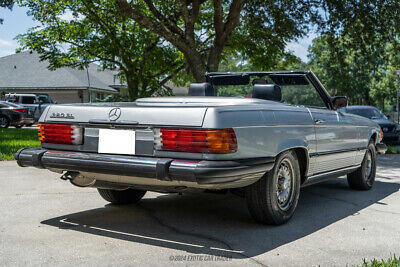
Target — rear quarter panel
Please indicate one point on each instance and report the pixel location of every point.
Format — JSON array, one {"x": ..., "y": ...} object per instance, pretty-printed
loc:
[{"x": 262, "y": 131}]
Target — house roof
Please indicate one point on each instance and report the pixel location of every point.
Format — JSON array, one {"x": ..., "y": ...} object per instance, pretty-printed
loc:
[{"x": 25, "y": 71}]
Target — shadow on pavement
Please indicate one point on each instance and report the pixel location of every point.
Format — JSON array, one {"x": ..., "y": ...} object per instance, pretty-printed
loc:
[{"x": 220, "y": 224}]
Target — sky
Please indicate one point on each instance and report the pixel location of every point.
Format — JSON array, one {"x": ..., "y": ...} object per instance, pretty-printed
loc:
[{"x": 18, "y": 22}]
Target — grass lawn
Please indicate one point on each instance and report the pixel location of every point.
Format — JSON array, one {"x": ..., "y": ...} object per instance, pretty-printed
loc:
[
  {"x": 13, "y": 139},
  {"x": 392, "y": 150},
  {"x": 391, "y": 262}
]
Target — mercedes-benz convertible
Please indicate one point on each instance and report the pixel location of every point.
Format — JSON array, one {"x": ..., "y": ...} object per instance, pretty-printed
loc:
[{"x": 263, "y": 134}]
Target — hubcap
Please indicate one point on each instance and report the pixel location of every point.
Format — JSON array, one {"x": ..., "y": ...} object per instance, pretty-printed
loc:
[
  {"x": 368, "y": 164},
  {"x": 3, "y": 122},
  {"x": 284, "y": 185}
]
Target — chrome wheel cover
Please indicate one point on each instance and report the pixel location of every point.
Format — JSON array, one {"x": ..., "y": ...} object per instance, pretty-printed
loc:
[
  {"x": 368, "y": 164},
  {"x": 285, "y": 185},
  {"x": 3, "y": 122}
]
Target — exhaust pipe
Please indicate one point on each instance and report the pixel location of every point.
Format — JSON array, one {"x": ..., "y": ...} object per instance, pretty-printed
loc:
[{"x": 79, "y": 180}]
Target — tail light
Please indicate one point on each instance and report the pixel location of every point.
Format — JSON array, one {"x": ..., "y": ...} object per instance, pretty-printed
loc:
[
  {"x": 19, "y": 109},
  {"x": 60, "y": 133},
  {"x": 218, "y": 141}
]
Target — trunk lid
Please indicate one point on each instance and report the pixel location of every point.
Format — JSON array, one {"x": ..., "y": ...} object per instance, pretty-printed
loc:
[{"x": 153, "y": 115}]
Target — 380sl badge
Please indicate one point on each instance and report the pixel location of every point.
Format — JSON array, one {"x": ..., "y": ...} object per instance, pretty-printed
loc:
[{"x": 61, "y": 115}]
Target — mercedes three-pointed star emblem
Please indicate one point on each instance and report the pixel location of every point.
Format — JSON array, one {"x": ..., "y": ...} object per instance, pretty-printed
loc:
[{"x": 114, "y": 114}]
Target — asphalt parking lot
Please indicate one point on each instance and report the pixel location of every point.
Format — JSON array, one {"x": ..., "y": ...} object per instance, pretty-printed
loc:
[{"x": 47, "y": 221}]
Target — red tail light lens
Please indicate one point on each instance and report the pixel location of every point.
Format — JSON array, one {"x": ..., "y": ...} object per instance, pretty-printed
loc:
[
  {"x": 60, "y": 133},
  {"x": 19, "y": 109},
  {"x": 219, "y": 141}
]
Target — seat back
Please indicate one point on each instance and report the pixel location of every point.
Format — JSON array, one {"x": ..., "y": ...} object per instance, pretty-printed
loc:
[{"x": 267, "y": 92}]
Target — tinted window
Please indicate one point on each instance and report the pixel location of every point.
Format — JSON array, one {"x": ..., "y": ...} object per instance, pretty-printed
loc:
[
  {"x": 367, "y": 113},
  {"x": 28, "y": 100},
  {"x": 44, "y": 99}
]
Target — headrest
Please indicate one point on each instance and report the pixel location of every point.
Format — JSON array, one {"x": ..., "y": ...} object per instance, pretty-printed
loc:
[
  {"x": 267, "y": 92},
  {"x": 201, "y": 89}
]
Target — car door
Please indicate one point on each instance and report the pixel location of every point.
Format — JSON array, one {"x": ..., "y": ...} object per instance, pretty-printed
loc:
[
  {"x": 31, "y": 104},
  {"x": 337, "y": 140}
]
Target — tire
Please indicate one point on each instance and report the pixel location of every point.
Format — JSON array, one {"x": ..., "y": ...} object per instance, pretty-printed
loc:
[
  {"x": 364, "y": 177},
  {"x": 18, "y": 126},
  {"x": 121, "y": 197},
  {"x": 4, "y": 122},
  {"x": 262, "y": 197}
]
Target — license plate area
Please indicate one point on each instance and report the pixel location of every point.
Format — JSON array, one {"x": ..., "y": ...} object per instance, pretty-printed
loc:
[{"x": 117, "y": 142}]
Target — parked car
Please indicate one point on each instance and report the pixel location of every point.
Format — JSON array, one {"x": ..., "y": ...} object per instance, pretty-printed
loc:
[
  {"x": 35, "y": 104},
  {"x": 14, "y": 115},
  {"x": 288, "y": 135},
  {"x": 391, "y": 130}
]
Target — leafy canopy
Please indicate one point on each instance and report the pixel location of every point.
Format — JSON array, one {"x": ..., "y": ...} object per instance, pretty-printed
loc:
[{"x": 75, "y": 33}]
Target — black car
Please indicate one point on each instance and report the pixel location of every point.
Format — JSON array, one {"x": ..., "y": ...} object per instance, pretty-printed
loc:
[
  {"x": 14, "y": 115},
  {"x": 391, "y": 130}
]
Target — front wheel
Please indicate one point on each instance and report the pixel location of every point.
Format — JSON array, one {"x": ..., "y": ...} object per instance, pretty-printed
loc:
[
  {"x": 364, "y": 177},
  {"x": 121, "y": 197},
  {"x": 273, "y": 199}
]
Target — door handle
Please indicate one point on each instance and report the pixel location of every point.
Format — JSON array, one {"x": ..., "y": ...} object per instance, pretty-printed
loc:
[{"x": 319, "y": 121}]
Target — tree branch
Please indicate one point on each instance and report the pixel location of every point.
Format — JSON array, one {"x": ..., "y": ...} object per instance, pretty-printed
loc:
[
  {"x": 218, "y": 18},
  {"x": 148, "y": 23}
]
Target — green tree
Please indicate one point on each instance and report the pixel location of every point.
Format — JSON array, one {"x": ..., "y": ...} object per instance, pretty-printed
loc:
[
  {"x": 8, "y": 4},
  {"x": 207, "y": 31},
  {"x": 351, "y": 56},
  {"x": 75, "y": 33},
  {"x": 365, "y": 74}
]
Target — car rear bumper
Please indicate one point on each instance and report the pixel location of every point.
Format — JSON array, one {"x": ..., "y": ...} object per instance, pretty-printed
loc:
[{"x": 221, "y": 174}]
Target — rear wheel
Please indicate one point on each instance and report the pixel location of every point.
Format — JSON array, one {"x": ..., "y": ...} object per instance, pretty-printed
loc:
[
  {"x": 273, "y": 199},
  {"x": 4, "y": 122},
  {"x": 128, "y": 196},
  {"x": 364, "y": 177}
]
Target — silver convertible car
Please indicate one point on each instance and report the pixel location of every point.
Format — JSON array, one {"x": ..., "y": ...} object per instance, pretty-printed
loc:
[{"x": 262, "y": 134}]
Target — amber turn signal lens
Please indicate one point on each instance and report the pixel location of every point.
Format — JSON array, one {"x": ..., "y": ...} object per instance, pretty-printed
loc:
[{"x": 380, "y": 135}]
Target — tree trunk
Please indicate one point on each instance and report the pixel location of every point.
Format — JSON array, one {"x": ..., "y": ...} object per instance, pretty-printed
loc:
[
  {"x": 133, "y": 87},
  {"x": 196, "y": 65}
]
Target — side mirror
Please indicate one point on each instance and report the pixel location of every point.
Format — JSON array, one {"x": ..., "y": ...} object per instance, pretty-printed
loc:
[
  {"x": 339, "y": 102},
  {"x": 389, "y": 117}
]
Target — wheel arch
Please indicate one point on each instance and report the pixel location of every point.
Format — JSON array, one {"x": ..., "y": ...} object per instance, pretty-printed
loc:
[
  {"x": 374, "y": 135},
  {"x": 303, "y": 158}
]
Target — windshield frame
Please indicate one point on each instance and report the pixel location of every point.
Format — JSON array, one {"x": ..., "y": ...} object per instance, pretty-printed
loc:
[{"x": 309, "y": 75}]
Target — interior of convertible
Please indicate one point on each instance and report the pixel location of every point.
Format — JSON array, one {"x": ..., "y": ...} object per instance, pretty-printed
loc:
[{"x": 294, "y": 89}]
